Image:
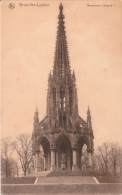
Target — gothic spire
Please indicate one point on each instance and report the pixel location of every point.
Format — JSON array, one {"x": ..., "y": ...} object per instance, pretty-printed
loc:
[
  {"x": 36, "y": 120},
  {"x": 88, "y": 111},
  {"x": 36, "y": 117},
  {"x": 89, "y": 119},
  {"x": 61, "y": 58}
]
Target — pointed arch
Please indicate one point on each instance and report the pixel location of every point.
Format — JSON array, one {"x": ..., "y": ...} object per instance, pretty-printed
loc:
[
  {"x": 54, "y": 97},
  {"x": 64, "y": 152},
  {"x": 60, "y": 120},
  {"x": 70, "y": 98},
  {"x": 64, "y": 119},
  {"x": 62, "y": 97},
  {"x": 82, "y": 140},
  {"x": 44, "y": 142},
  {"x": 44, "y": 156}
]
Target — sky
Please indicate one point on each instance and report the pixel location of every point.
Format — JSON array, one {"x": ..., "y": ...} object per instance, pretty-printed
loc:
[{"x": 94, "y": 45}]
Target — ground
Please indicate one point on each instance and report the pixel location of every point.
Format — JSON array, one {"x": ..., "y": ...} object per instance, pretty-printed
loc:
[
  {"x": 109, "y": 179},
  {"x": 60, "y": 185},
  {"x": 18, "y": 180}
]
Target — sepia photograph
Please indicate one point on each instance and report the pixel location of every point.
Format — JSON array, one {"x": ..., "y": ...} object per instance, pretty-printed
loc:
[{"x": 61, "y": 97}]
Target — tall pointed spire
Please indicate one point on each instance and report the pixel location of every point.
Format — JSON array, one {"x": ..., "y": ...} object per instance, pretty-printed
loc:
[
  {"x": 62, "y": 130},
  {"x": 36, "y": 121},
  {"x": 88, "y": 111},
  {"x": 61, "y": 16},
  {"x": 89, "y": 123},
  {"x": 36, "y": 117},
  {"x": 61, "y": 59}
]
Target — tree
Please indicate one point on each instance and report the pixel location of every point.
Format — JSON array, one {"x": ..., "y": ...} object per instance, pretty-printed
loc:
[
  {"x": 120, "y": 160},
  {"x": 14, "y": 168},
  {"x": 109, "y": 158},
  {"x": 23, "y": 147},
  {"x": 115, "y": 158},
  {"x": 7, "y": 150},
  {"x": 11, "y": 170},
  {"x": 103, "y": 155}
]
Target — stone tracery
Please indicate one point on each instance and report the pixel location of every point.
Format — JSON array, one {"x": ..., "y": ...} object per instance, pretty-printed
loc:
[{"x": 62, "y": 133}]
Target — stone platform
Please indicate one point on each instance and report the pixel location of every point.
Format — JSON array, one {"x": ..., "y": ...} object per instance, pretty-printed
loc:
[
  {"x": 58, "y": 173},
  {"x": 69, "y": 173},
  {"x": 62, "y": 185},
  {"x": 62, "y": 180},
  {"x": 39, "y": 174},
  {"x": 58, "y": 189}
]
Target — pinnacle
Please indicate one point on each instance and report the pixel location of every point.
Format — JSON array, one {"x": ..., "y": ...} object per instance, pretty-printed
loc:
[
  {"x": 88, "y": 108},
  {"x": 60, "y": 7},
  {"x": 88, "y": 111},
  {"x": 61, "y": 16},
  {"x": 61, "y": 55}
]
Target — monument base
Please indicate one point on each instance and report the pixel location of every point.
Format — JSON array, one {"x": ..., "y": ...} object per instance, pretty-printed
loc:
[
  {"x": 90, "y": 168},
  {"x": 74, "y": 168}
]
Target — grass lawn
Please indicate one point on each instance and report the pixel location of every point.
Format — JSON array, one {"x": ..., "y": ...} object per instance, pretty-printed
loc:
[
  {"x": 109, "y": 179},
  {"x": 18, "y": 180},
  {"x": 63, "y": 189}
]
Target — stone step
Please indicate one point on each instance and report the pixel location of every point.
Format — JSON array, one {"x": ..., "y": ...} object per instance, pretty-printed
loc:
[
  {"x": 39, "y": 174},
  {"x": 70, "y": 173},
  {"x": 65, "y": 189},
  {"x": 66, "y": 180}
]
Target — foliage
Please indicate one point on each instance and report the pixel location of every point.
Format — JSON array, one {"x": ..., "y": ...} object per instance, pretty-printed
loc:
[
  {"x": 23, "y": 147},
  {"x": 109, "y": 159},
  {"x": 9, "y": 166}
]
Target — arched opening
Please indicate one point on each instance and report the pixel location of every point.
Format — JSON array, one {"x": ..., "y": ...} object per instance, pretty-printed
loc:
[
  {"x": 70, "y": 98},
  {"x": 63, "y": 153},
  {"x": 62, "y": 98},
  {"x": 70, "y": 124},
  {"x": 44, "y": 154},
  {"x": 62, "y": 119},
  {"x": 54, "y": 97},
  {"x": 84, "y": 158},
  {"x": 82, "y": 153},
  {"x": 62, "y": 70}
]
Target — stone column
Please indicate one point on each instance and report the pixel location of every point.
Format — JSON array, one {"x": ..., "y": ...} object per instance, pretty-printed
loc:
[
  {"x": 44, "y": 162},
  {"x": 49, "y": 158},
  {"x": 68, "y": 160},
  {"x": 74, "y": 167},
  {"x": 89, "y": 159},
  {"x": 56, "y": 158},
  {"x": 81, "y": 163},
  {"x": 89, "y": 165},
  {"x": 53, "y": 159},
  {"x": 34, "y": 162},
  {"x": 37, "y": 161},
  {"x": 78, "y": 159}
]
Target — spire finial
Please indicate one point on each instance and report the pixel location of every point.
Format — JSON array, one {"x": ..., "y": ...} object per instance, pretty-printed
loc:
[
  {"x": 88, "y": 111},
  {"x": 88, "y": 107},
  {"x": 89, "y": 118},
  {"x": 73, "y": 73},
  {"x": 61, "y": 58},
  {"x": 60, "y": 7},
  {"x": 61, "y": 16}
]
